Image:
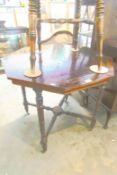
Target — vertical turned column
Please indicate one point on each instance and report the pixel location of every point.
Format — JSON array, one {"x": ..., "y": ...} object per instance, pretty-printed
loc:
[
  {"x": 99, "y": 68},
  {"x": 32, "y": 38},
  {"x": 76, "y": 25},
  {"x": 100, "y": 29},
  {"x": 40, "y": 111},
  {"x": 39, "y": 25}
]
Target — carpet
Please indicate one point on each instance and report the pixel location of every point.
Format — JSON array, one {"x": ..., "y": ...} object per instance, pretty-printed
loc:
[{"x": 72, "y": 149}]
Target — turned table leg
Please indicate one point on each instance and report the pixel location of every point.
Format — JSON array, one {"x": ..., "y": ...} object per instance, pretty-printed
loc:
[
  {"x": 25, "y": 102},
  {"x": 98, "y": 102},
  {"x": 107, "y": 119},
  {"x": 40, "y": 111}
]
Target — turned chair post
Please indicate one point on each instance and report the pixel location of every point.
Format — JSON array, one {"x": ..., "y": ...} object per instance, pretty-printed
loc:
[
  {"x": 100, "y": 30},
  {"x": 77, "y": 15},
  {"x": 32, "y": 39}
]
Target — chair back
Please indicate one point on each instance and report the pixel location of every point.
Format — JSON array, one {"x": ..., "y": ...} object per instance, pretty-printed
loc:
[
  {"x": 89, "y": 2},
  {"x": 87, "y": 28},
  {"x": 65, "y": 34}
]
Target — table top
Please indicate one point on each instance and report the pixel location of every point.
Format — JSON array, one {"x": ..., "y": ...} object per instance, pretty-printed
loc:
[
  {"x": 63, "y": 71},
  {"x": 13, "y": 30}
]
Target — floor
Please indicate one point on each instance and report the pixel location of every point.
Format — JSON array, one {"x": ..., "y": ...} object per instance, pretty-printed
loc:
[{"x": 72, "y": 149}]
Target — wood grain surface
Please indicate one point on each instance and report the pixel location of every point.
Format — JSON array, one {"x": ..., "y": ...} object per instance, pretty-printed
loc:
[{"x": 63, "y": 71}]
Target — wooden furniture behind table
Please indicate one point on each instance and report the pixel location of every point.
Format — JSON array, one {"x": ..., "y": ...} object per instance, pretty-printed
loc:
[
  {"x": 14, "y": 30},
  {"x": 110, "y": 94},
  {"x": 4, "y": 32}
]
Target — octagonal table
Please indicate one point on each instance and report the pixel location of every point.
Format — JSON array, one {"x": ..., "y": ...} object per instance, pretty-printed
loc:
[{"x": 63, "y": 71}]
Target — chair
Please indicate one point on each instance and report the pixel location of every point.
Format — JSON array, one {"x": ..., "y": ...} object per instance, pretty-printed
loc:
[
  {"x": 110, "y": 49},
  {"x": 109, "y": 100},
  {"x": 87, "y": 28},
  {"x": 110, "y": 94},
  {"x": 61, "y": 69}
]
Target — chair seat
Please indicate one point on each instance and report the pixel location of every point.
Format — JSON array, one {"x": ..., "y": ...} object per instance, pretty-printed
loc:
[{"x": 110, "y": 47}]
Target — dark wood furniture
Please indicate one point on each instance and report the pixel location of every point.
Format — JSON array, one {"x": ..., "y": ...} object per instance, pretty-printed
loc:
[
  {"x": 89, "y": 24},
  {"x": 64, "y": 68},
  {"x": 4, "y": 31},
  {"x": 110, "y": 47},
  {"x": 58, "y": 77},
  {"x": 109, "y": 100},
  {"x": 110, "y": 93},
  {"x": 13, "y": 30}
]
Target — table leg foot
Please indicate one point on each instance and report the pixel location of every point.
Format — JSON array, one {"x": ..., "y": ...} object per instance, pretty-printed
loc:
[
  {"x": 93, "y": 122},
  {"x": 107, "y": 119},
  {"x": 43, "y": 144},
  {"x": 85, "y": 98}
]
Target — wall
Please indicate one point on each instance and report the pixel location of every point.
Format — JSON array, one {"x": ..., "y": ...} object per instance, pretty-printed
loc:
[
  {"x": 14, "y": 16},
  {"x": 110, "y": 18}
]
